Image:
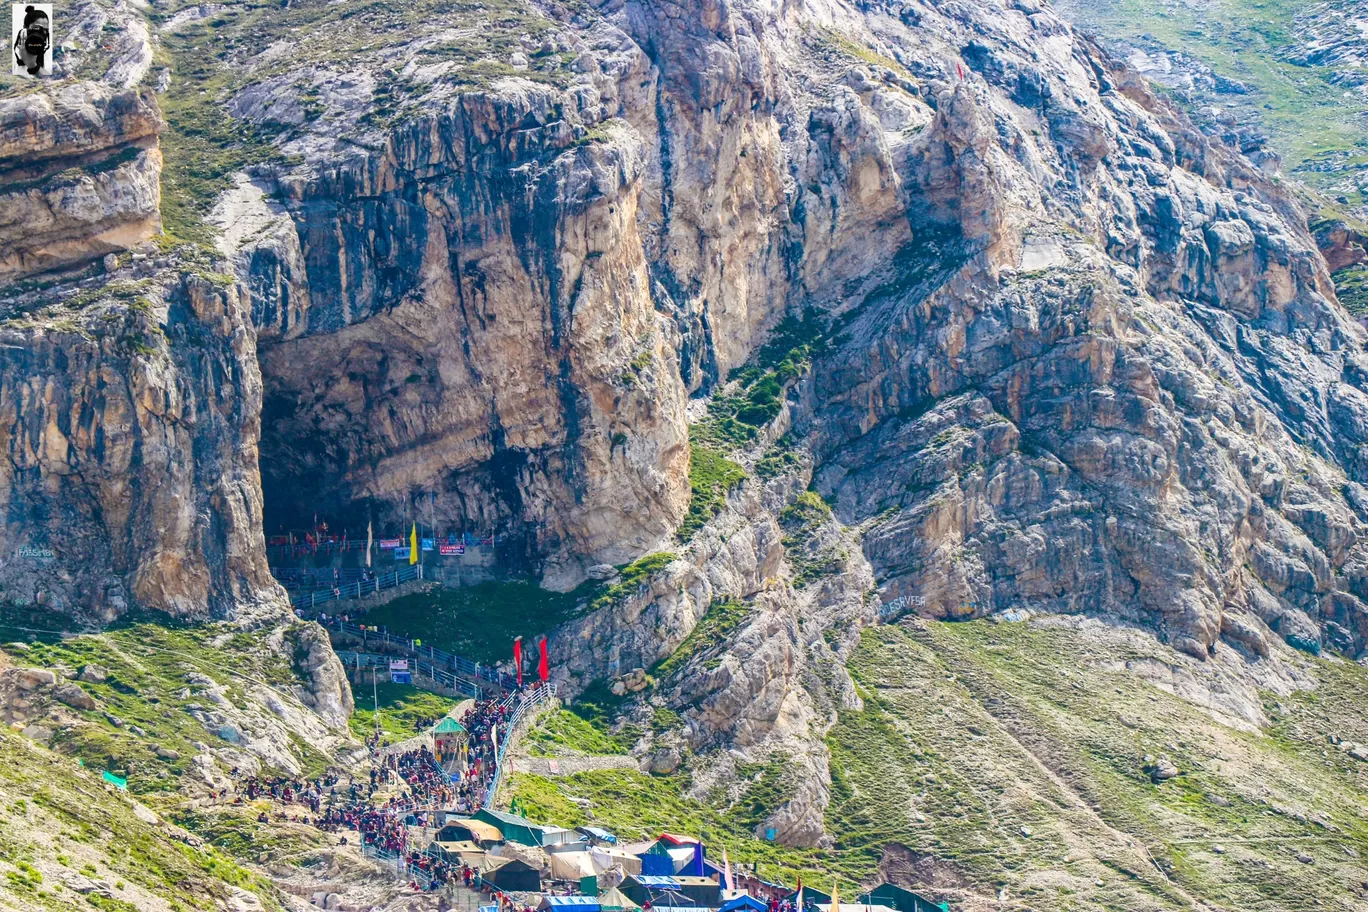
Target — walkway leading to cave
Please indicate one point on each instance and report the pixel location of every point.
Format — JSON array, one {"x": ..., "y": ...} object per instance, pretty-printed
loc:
[
  {"x": 452, "y": 671},
  {"x": 525, "y": 706},
  {"x": 349, "y": 584}
]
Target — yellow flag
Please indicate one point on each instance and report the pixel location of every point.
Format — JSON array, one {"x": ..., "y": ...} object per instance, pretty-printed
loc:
[
  {"x": 835, "y": 898},
  {"x": 413, "y": 545}
]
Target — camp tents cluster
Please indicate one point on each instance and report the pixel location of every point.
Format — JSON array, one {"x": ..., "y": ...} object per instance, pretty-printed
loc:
[{"x": 588, "y": 869}]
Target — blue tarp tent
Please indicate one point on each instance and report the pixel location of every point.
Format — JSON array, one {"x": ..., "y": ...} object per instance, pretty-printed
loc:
[
  {"x": 570, "y": 904},
  {"x": 743, "y": 903}
]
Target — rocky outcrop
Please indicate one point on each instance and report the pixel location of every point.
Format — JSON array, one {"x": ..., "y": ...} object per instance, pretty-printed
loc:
[
  {"x": 79, "y": 175},
  {"x": 128, "y": 426},
  {"x": 1343, "y": 243},
  {"x": 325, "y": 690}
]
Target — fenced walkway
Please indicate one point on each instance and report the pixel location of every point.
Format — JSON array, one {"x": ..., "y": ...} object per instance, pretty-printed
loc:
[
  {"x": 356, "y": 588},
  {"x": 524, "y": 705},
  {"x": 439, "y": 659},
  {"x": 444, "y": 679}
]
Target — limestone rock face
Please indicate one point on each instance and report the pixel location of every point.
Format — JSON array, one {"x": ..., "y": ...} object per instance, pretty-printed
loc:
[
  {"x": 129, "y": 475},
  {"x": 79, "y": 175},
  {"x": 526, "y": 379},
  {"x": 327, "y": 692}
]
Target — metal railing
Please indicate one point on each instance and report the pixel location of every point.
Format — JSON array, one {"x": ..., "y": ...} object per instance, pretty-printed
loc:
[
  {"x": 419, "y": 667},
  {"x": 457, "y": 665},
  {"x": 356, "y": 589},
  {"x": 340, "y": 546},
  {"x": 526, "y": 705}
]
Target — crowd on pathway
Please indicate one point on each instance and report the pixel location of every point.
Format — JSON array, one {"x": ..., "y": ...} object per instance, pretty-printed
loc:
[{"x": 417, "y": 785}]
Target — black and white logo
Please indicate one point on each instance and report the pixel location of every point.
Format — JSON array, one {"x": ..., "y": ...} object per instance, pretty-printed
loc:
[{"x": 31, "y": 39}]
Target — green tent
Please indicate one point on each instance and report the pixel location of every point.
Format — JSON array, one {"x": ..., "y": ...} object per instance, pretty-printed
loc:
[
  {"x": 514, "y": 828},
  {"x": 888, "y": 894}
]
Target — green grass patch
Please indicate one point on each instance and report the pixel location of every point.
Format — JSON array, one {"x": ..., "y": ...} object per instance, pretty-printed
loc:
[
  {"x": 1351, "y": 286},
  {"x": 711, "y": 476},
  {"x": 402, "y": 710},
  {"x": 566, "y": 731},
  {"x": 801, "y": 522},
  {"x": 724, "y": 617},
  {"x": 480, "y": 622},
  {"x": 734, "y": 420},
  {"x": 632, "y": 577}
]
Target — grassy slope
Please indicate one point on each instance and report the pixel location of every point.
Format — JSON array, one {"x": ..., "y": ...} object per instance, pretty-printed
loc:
[
  {"x": 403, "y": 711},
  {"x": 480, "y": 622},
  {"x": 148, "y": 664},
  {"x": 57, "y": 817},
  {"x": 978, "y": 750},
  {"x": 1308, "y": 116}
]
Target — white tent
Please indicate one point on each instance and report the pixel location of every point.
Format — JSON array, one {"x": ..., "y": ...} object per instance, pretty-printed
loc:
[
  {"x": 607, "y": 856},
  {"x": 571, "y": 865}
]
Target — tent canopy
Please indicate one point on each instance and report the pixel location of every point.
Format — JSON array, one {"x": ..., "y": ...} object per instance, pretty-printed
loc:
[
  {"x": 571, "y": 865},
  {"x": 597, "y": 834},
  {"x": 448, "y": 726},
  {"x": 743, "y": 903},
  {"x": 511, "y": 874},
  {"x": 459, "y": 828},
  {"x": 614, "y": 901},
  {"x": 570, "y": 903},
  {"x": 463, "y": 848},
  {"x": 607, "y": 856}
]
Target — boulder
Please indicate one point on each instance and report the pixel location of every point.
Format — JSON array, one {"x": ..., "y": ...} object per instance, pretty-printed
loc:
[
  {"x": 75, "y": 697},
  {"x": 34, "y": 678},
  {"x": 93, "y": 674},
  {"x": 1163, "y": 769},
  {"x": 665, "y": 761}
]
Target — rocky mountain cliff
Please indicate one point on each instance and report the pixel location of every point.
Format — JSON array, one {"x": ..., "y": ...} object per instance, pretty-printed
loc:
[{"x": 858, "y": 311}]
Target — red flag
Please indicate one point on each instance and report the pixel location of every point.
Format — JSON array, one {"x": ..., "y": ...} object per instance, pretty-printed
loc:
[
  {"x": 543, "y": 667},
  {"x": 517, "y": 658},
  {"x": 960, "y": 67}
]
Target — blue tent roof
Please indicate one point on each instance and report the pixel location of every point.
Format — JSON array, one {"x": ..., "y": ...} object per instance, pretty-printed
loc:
[
  {"x": 744, "y": 902},
  {"x": 657, "y": 882},
  {"x": 598, "y": 833},
  {"x": 577, "y": 903}
]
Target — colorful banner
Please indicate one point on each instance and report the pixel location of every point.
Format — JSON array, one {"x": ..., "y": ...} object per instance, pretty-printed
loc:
[
  {"x": 388, "y": 543},
  {"x": 448, "y": 550}
]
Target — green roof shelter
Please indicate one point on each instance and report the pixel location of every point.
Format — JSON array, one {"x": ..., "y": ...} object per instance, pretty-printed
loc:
[
  {"x": 514, "y": 828},
  {"x": 887, "y": 894},
  {"x": 449, "y": 740}
]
